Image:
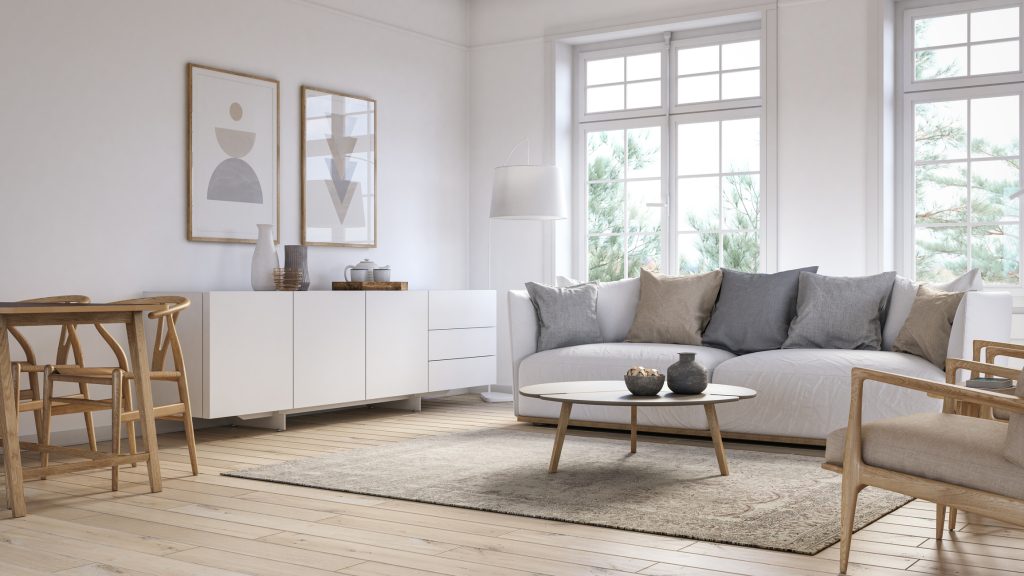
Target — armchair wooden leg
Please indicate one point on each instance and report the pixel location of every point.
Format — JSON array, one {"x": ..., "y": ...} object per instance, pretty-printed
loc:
[
  {"x": 90, "y": 427},
  {"x": 952, "y": 518},
  {"x": 116, "y": 395},
  {"x": 850, "y": 490},
  {"x": 940, "y": 521}
]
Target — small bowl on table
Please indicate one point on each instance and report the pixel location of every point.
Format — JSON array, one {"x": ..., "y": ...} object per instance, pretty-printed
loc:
[{"x": 644, "y": 385}]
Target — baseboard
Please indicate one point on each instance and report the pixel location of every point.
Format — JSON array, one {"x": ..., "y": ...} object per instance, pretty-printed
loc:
[{"x": 741, "y": 436}]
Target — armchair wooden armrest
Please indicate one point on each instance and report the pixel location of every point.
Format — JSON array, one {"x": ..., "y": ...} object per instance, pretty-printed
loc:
[{"x": 945, "y": 390}]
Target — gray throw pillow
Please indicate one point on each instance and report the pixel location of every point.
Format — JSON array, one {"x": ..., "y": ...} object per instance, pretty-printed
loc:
[
  {"x": 840, "y": 313},
  {"x": 1014, "y": 450},
  {"x": 904, "y": 291},
  {"x": 753, "y": 311},
  {"x": 566, "y": 316}
]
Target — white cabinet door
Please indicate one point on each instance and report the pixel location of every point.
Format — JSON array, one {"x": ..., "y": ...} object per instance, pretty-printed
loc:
[
  {"x": 396, "y": 343},
  {"x": 247, "y": 352},
  {"x": 330, "y": 348}
]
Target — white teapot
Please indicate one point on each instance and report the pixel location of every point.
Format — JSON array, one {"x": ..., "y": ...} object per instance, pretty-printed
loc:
[{"x": 367, "y": 265}]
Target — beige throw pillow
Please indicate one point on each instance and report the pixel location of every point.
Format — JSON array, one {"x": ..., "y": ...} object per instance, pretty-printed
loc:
[
  {"x": 1014, "y": 451},
  {"x": 674, "y": 309},
  {"x": 926, "y": 331}
]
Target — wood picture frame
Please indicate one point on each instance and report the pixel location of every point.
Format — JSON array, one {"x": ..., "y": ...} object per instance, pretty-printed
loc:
[
  {"x": 233, "y": 155},
  {"x": 338, "y": 169}
]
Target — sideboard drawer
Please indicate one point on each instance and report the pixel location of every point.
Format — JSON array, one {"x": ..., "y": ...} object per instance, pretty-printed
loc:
[
  {"x": 462, "y": 309},
  {"x": 463, "y": 373},
  {"x": 462, "y": 343}
]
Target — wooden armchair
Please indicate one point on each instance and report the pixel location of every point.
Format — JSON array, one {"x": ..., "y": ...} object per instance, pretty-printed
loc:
[
  {"x": 947, "y": 458},
  {"x": 123, "y": 412}
]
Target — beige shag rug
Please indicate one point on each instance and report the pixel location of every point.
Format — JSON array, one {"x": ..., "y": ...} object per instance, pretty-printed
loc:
[{"x": 773, "y": 501}]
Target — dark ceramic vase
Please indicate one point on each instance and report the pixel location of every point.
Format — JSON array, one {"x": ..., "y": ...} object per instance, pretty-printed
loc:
[
  {"x": 687, "y": 376},
  {"x": 295, "y": 258}
]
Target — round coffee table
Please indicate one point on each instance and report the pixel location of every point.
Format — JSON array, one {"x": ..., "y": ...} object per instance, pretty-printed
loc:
[{"x": 614, "y": 393}]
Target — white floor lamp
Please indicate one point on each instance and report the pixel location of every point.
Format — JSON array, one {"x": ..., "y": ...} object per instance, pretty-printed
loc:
[{"x": 523, "y": 192}]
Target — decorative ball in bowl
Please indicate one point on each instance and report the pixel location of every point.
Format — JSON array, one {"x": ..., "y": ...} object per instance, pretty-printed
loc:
[{"x": 642, "y": 381}]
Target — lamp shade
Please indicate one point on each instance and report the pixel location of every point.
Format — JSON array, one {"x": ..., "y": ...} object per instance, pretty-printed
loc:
[{"x": 527, "y": 193}]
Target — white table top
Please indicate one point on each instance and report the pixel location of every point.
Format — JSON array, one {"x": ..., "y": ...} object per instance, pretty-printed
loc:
[{"x": 614, "y": 393}]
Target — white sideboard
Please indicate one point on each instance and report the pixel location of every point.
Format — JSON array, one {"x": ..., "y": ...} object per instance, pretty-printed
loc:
[{"x": 259, "y": 353}]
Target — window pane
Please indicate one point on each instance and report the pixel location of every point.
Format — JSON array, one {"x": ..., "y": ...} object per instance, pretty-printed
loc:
[
  {"x": 940, "y": 31},
  {"x": 643, "y": 66},
  {"x": 697, "y": 89},
  {"x": 995, "y": 58},
  {"x": 698, "y": 148},
  {"x": 644, "y": 157},
  {"x": 995, "y": 126},
  {"x": 698, "y": 204},
  {"x": 741, "y": 251},
  {"x": 697, "y": 60},
  {"x": 940, "y": 130},
  {"x": 605, "y": 155},
  {"x": 606, "y": 258},
  {"x": 746, "y": 84},
  {"x": 996, "y": 251},
  {"x": 605, "y": 98},
  {"x": 644, "y": 205},
  {"x": 741, "y": 55},
  {"x": 741, "y": 145},
  {"x": 940, "y": 63},
  {"x": 995, "y": 24},
  {"x": 741, "y": 202},
  {"x": 698, "y": 252},
  {"x": 607, "y": 71},
  {"x": 644, "y": 252},
  {"x": 606, "y": 208},
  {"x": 940, "y": 193},
  {"x": 992, "y": 184},
  {"x": 941, "y": 253},
  {"x": 643, "y": 94}
]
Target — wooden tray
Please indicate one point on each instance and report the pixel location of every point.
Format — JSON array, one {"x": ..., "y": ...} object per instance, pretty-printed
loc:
[{"x": 369, "y": 285}]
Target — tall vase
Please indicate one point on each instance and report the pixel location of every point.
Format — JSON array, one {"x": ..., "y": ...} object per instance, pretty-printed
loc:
[
  {"x": 687, "y": 376},
  {"x": 295, "y": 259},
  {"x": 264, "y": 259}
]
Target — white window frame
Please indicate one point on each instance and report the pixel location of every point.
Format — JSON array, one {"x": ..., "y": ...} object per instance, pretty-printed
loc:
[
  {"x": 939, "y": 90},
  {"x": 672, "y": 114}
]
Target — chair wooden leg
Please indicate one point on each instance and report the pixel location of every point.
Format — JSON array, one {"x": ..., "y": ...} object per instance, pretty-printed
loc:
[
  {"x": 190, "y": 434},
  {"x": 116, "y": 395},
  {"x": 850, "y": 491},
  {"x": 129, "y": 405},
  {"x": 33, "y": 386},
  {"x": 90, "y": 427},
  {"x": 940, "y": 521},
  {"x": 952, "y": 519},
  {"x": 44, "y": 436}
]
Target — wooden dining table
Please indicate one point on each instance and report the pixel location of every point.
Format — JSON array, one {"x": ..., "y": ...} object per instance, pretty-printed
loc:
[{"x": 13, "y": 314}]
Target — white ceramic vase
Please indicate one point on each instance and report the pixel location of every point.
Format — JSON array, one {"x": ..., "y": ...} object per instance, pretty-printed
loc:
[{"x": 264, "y": 259}]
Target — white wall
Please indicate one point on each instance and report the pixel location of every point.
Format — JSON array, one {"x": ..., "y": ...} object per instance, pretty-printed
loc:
[{"x": 92, "y": 116}]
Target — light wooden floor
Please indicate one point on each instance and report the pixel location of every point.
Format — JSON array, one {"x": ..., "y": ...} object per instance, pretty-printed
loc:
[{"x": 215, "y": 525}]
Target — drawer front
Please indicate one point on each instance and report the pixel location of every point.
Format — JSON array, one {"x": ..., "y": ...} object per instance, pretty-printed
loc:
[
  {"x": 463, "y": 373},
  {"x": 462, "y": 343},
  {"x": 462, "y": 309}
]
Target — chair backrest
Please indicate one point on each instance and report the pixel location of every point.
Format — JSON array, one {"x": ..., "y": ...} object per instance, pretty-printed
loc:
[
  {"x": 68, "y": 341},
  {"x": 166, "y": 339}
]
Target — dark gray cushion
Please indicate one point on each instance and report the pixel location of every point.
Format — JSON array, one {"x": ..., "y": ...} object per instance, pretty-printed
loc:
[
  {"x": 753, "y": 311},
  {"x": 840, "y": 313},
  {"x": 566, "y": 316}
]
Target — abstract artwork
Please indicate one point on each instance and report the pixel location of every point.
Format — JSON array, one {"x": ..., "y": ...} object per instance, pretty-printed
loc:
[
  {"x": 339, "y": 169},
  {"x": 233, "y": 134}
]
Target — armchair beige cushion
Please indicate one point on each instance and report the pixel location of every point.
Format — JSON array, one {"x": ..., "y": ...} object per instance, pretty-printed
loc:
[
  {"x": 949, "y": 448},
  {"x": 1014, "y": 451}
]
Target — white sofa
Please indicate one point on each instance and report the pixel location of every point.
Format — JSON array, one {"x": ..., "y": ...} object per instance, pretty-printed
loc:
[{"x": 802, "y": 394}]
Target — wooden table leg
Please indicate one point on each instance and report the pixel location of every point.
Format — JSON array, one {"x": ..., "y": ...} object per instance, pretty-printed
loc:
[
  {"x": 140, "y": 369},
  {"x": 716, "y": 437},
  {"x": 632, "y": 429},
  {"x": 563, "y": 424},
  {"x": 9, "y": 425}
]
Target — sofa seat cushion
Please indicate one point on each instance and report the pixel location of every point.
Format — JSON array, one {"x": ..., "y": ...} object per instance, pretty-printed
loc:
[
  {"x": 958, "y": 450},
  {"x": 806, "y": 392},
  {"x": 609, "y": 361}
]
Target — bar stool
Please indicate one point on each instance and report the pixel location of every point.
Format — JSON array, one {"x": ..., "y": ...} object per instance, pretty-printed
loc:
[{"x": 123, "y": 412}]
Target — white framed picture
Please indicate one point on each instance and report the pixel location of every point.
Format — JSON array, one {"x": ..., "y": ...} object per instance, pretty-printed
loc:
[{"x": 233, "y": 155}]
